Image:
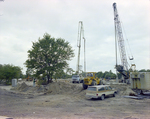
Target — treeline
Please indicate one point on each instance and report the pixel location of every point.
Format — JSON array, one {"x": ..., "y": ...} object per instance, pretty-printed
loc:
[
  {"x": 144, "y": 70},
  {"x": 106, "y": 75},
  {"x": 111, "y": 75},
  {"x": 100, "y": 74},
  {"x": 8, "y": 72}
]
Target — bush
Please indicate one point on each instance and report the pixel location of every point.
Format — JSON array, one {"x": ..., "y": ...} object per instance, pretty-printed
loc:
[
  {"x": 41, "y": 82},
  {"x": 8, "y": 83}
]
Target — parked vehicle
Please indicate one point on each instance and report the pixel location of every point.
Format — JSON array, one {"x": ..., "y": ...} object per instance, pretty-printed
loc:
[
  {"x": 100, "y": 91},
  {"x": 76, "y": 79}
]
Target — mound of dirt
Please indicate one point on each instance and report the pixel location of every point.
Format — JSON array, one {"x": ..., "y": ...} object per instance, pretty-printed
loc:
[
  {"x": 129, "y": 91},
  {"x": 51, "y": 88},
  {"x": 62, "y": 88},
  {"x": 67, "y": 88},
  {"x": 123, "y": 89},
  {"x": 119, "y": 87},
  {"x": 21, "y": 87}
]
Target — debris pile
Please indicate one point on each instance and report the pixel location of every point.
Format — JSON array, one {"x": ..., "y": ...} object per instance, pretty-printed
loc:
[
  {"x": 128, "y": 91},
  {"x": 67, "y": 88},
  {"x": 21, "y": 87},
  {"x": 52, "y": 88},
  {"x": 62, "y": 88},
  {"x": 123, "y": 89}
]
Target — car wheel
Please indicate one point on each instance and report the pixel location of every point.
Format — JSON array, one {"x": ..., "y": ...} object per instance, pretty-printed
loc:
[
  {"x": 100, "y": 82},
  {"x": 114, "y": 95},
  {"x": 72, "y": 81},
  {"x": 102, "y": 97},
  {"x": 93, "y": 83},
  {"x": 84, "y": 86}
]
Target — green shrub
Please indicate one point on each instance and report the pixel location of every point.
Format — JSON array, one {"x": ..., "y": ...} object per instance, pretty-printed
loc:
[
  {"x": 41, "y": 82},
  {"x": 7, "y": 83}
]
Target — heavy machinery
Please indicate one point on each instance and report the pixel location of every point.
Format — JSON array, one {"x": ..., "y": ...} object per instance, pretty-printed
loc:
[
  {"x": 78, "y": 78},
  {"x": 91, "y": 80},
  {"x": 80, "y": 34},
  {"x": 140, "y": 81},
  {"x": 123, "y": 67}
]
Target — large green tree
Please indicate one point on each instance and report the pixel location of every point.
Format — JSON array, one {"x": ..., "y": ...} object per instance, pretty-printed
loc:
[{"x": 48, "y": 56}]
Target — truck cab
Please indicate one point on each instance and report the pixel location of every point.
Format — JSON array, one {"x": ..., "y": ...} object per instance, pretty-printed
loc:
[{"x": 76, "y": 79}]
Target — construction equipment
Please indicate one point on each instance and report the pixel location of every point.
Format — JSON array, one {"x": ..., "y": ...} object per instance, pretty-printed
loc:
[
  {"x": 80, "y": 34},
  {"x": 123, "y": 68},
  {"x": 76, "y": 78},
  {"x": 91, "y": 80},
  {"x": 140, "y": 81}
]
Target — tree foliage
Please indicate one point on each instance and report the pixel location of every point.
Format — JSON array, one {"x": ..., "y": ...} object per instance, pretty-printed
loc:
[
  {"x": 144, "y": 70},
  {"x": 106, "y": 74},
  {"x": 8, "y": 72},
  {"x": 48, "y": 56}
]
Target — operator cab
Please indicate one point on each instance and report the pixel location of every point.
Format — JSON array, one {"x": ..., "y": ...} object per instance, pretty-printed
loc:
[{"x": 90, "y": 74}]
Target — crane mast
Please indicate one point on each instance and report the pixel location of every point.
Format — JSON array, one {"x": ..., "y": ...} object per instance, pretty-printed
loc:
[
  {"x": 80, "y": 35},
  {"x": 119, "y": 37}
]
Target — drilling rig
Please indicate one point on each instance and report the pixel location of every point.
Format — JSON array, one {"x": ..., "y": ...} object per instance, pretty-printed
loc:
[
  {"x": 78, "y": 78},
  {"x": 123, "y": 67},
  {"x": 80, "y": 34}
]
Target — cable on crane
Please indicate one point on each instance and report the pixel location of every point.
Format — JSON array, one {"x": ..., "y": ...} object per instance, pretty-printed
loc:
[
  {"x": 130, "y": 54},
  {"x": 130, "y": 58}
]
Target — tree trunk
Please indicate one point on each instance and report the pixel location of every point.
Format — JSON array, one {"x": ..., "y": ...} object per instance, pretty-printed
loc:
[{"x": 48, "y": 77}]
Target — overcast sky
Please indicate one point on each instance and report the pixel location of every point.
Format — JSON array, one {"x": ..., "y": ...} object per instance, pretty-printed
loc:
[{"x": 24, "y": 21}]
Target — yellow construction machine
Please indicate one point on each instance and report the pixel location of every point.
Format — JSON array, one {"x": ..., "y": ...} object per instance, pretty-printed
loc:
[{"x": 91, "y": 80}]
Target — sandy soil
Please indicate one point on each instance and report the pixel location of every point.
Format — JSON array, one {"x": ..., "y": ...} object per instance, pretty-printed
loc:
[{"x": 61, "y": 100}]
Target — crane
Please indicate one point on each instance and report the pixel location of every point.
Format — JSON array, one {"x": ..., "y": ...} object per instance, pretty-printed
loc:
[
  {"x": 80, "y": 35},
  {"x": 78, "y": 78},
  {"x": 123, "y": 68}
]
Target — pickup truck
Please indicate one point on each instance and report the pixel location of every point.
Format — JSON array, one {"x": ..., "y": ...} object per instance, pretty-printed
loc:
[{"x": 100, "y": 91}]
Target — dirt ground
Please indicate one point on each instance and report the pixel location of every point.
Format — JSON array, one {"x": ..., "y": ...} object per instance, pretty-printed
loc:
[{"x": 64, "y": 100}]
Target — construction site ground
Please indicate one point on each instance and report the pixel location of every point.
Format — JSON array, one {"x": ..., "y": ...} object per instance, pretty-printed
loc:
[{"x": 66, "y": 100}]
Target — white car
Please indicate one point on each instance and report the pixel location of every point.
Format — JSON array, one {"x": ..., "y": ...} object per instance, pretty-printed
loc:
[{"x": 100, "y": 91}]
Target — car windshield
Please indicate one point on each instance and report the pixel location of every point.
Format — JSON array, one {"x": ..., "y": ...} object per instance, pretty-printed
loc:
[
  {"x": 75, "y": 76},
  {"x": 91, "y": 88},
  {"x": 110, "y": 88},
  {"x": 90, "y": 74}
]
